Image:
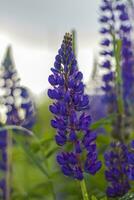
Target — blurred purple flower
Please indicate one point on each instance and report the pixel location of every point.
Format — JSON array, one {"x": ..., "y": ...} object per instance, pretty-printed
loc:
[{"x": 19, "y": 106}]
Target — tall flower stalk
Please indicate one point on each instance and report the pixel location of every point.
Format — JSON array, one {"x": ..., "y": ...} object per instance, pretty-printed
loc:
[
  {"x": 19, "y": 110},
  {"x": 117, "y": 55},
  {"x": 78, "y": 148},
  {"x": 118, "y": 82}
]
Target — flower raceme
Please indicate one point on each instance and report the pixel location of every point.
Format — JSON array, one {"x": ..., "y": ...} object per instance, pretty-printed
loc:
[
  {"x": 19, "y": 110},
  {"x": 71, "y": 122},
  {"x": 116, "y": 26},
  {"x": 118, "y": 89}
]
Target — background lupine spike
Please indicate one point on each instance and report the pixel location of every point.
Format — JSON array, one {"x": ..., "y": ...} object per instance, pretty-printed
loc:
[
  {"x": 118, "y": 82},
  {"x": 70, "y": 118},
  {"x": 118, "y": 29},
  {"x": 16, "y": 98},
  {"x": 19, "y": 110}
]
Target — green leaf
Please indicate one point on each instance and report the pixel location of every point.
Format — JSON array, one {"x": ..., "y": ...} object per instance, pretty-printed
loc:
[
  {"x": 51, "y": 152},
  {"x": 45, "y": 141},
  {"x": 35, "y": 147},
  {"x": 24, "y": 143}
]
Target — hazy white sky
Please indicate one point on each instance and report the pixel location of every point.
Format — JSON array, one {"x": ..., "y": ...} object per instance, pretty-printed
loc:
[{"x": 35, "y": 29}]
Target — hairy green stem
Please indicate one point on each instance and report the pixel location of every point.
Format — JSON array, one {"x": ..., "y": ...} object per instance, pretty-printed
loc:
[
  {"x": 84, "y": 190},
  {"x": 117, "y": 44}
]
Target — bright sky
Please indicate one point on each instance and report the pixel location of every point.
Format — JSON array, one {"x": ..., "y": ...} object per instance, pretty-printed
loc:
[{"x": 35, "y": 29}]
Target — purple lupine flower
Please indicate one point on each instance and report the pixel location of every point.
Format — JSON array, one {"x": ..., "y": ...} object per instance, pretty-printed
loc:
[
  {"x": 116, "y": 161},
  {"x": 19, "y": 109},
  {"x": 70, "y": 119}
]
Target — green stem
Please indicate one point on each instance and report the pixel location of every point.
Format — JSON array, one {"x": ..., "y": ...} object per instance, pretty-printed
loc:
[
  {"x": 119, "y": 82},
  {"x": 117, "y": 44},
  {"x": 8, "y": 164},
  {"x": 84, "y": 190}
]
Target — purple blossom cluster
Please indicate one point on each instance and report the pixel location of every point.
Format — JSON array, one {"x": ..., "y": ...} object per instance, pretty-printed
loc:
[
  {"x": 107, "y": 21},
  {"x": 116, "y": 161},
  {"x": 71, "y": 120}
]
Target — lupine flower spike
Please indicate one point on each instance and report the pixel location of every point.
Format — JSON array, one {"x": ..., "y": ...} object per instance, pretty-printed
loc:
[
  {"x": 116, "y": 26},
  {"x": 71, "y": 122},
  {"x": 118, "y": 88},
  {"x": 19, "y": 110}
]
